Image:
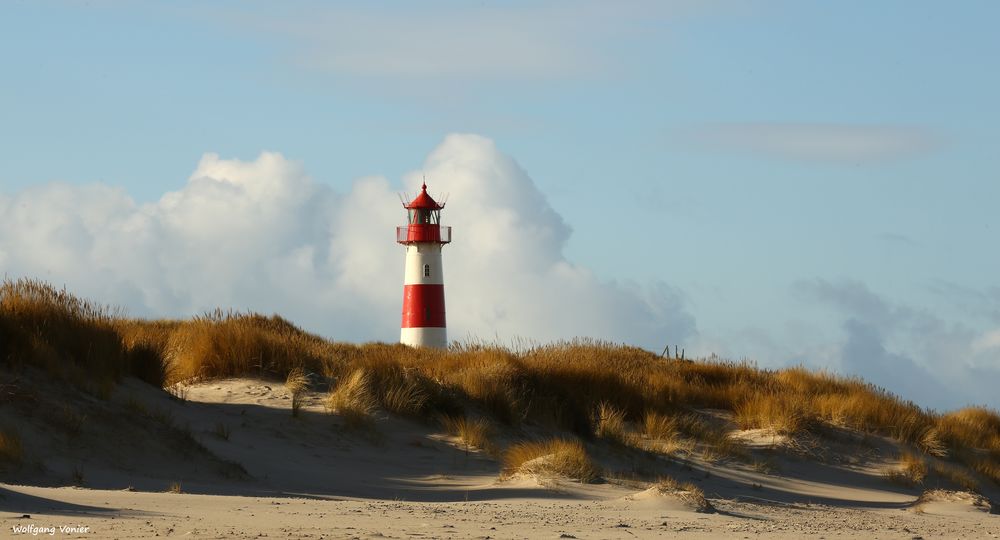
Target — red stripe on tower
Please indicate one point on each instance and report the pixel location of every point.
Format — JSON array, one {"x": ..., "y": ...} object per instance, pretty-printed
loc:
[
  {"x": 423, "y": 323},
  {"x": 423, "y": 306}
]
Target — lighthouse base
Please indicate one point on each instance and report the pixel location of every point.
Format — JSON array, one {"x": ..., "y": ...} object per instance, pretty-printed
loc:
[{"x": 424, "y": 337}]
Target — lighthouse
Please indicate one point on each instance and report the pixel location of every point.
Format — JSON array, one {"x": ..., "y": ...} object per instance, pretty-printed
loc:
[{"x": 423, "y": 281}]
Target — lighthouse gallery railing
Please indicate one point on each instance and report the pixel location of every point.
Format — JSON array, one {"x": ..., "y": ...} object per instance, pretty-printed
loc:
[{"x": 423, "y": 233}]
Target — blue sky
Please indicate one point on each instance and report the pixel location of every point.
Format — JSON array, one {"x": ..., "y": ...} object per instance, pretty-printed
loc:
[{"x": 813, "y": 182}]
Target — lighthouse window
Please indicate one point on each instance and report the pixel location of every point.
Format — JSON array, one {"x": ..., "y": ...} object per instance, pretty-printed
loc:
[
  {"x": 427, "y": 270},
  {"x": 422, "y": 216}
]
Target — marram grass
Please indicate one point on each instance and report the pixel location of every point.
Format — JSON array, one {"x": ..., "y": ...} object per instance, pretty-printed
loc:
[{"x": 584, "y": 387}]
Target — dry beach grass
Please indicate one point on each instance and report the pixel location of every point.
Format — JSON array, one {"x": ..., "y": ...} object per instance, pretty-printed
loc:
[
  {"x": 555, "y": 457},
  {"x": 583, "y": 389}
]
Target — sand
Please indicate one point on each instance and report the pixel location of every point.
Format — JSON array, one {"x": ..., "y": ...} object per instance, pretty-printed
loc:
[{"x": 266, "y": 474}]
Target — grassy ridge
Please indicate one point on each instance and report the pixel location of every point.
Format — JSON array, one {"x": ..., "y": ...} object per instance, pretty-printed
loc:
[{"x": 588, "y": 388}]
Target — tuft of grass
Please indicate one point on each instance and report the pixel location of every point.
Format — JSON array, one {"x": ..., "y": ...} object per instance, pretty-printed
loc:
[
  {"x": 932, "y": 443},
  {"x": 664, "y": 434},
  {"x": 558, "y": 457},
  {"x": 174, "y": 487},
  {"x": 405, "y": 397},
  {"x": 610, "y": 423},
  {"x": 353, "y": 400},
  {"x": 11, "y": 450},
  {"x": 659, "y": 426},
  {"x": 783, "y": 414},
  {"x": 686, "y": 492},
  {"x": 297, "y": 382},
  {"x": 911, "y": 472},
  {"x": 473, "y": 433}
]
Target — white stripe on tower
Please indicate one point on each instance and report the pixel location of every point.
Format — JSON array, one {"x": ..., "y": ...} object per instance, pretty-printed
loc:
[
  {"x": 417, "y": 256},
  {"x": 424, "y": 337}
]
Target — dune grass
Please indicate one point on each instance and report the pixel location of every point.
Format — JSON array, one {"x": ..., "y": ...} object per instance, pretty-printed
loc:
[
  {"x": 971, "y": 427},
  {"x": 474, "y": 433},
  {"x": 782, "y": 414},
  {"x": 69, "y": 338},
  {"x": 686, "y": 492},
  {"x": 956, "y": 475},
  {"x": 987, "y": 465},
  {"x": 664, "y": 435},
  {"x": 659, "y": 426},
  {"x": 296, "y": 383},
  {"x": 553, "y": 457},
  {"x": 584, "y": 387},
  {"x": 912, "y": 470},
  {"x": 405, "y": 397},
  {"x": 610, "y": 424},
  {"x": 354, "y": 400}
]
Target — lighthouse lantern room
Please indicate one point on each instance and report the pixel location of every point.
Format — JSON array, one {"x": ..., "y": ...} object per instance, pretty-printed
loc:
[{"x": 423, "y": 282}]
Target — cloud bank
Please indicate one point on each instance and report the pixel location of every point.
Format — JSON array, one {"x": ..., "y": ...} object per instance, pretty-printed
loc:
[
  {"x": 263, "y": 235},
  {"x": 911, "y": 352}
]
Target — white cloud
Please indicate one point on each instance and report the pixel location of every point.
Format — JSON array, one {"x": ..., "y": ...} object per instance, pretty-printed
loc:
[
  {"x": 838, "y": 143},
  {"x": 263, "y": 235}
]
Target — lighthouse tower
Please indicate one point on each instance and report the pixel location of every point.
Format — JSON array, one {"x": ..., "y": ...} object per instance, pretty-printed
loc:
[{"x": 423, "y": 283}]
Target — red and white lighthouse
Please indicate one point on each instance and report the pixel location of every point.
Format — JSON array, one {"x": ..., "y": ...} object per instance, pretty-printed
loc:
[{"x": 423, "y": 282}]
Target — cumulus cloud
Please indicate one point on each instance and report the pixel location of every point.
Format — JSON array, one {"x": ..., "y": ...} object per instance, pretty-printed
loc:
[
  {"x": 263, "y": 235},
  {"x": 835, "y": 143}
]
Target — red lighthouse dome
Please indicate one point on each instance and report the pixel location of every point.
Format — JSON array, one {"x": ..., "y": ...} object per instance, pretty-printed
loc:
[{"x": 424, "y": 217}]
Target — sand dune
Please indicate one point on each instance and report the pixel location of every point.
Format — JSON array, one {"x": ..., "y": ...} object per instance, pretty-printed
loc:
[{"x": 245, "y": 467}]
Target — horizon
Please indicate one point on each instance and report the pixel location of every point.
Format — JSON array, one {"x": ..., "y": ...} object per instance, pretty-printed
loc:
[{"x": 785, "y": 183}]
